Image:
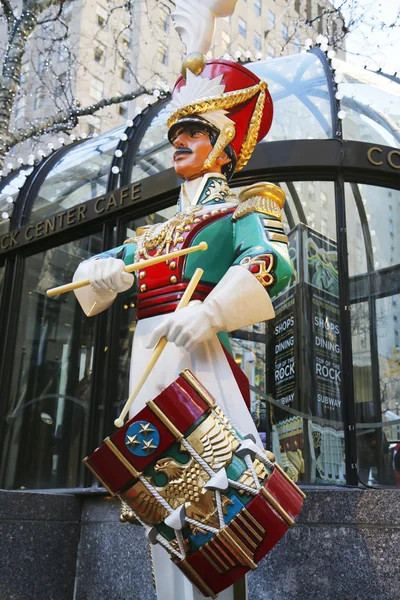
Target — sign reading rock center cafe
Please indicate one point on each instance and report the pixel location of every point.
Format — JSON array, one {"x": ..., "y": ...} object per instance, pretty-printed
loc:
[{"x": 103, "y": 205}]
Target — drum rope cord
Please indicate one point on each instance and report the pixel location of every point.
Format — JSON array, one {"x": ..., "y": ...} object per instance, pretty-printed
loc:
[
  {"x": 159, "y": 537},
  {"x": 211, "y": 473},
  {"x": 219, "y": 509},
  {"x": 252, "y": 470}
]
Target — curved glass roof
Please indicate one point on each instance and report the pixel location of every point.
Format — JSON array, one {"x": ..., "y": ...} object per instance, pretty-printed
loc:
[
  {"x": 300, "y": 93},
  {"x": 79, "y": 175},
  {"x": 371, "y": 103},
  {"x": 303, "y": 89}
]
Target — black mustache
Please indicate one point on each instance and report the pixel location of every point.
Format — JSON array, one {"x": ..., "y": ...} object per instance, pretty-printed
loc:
[{"x": 182, "y": 151}]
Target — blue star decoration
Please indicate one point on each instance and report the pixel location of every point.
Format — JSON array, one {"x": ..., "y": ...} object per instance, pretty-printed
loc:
[{"x": 142, "y": 438}]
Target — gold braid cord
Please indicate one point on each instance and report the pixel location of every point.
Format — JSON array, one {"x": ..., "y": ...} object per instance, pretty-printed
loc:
[
  {"x": 225, "y": 101},
  {"x": 250, "y": 140}
]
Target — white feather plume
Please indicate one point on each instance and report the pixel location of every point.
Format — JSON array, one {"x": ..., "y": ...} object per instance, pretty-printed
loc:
[{"x": 196, "y": 89}]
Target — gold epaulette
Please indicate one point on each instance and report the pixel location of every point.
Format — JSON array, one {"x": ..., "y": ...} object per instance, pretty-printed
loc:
[{"x": 265, "y": 198}]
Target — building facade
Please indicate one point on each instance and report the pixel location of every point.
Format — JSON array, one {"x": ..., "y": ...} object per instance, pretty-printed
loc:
[{"x": 97, "y": 49}]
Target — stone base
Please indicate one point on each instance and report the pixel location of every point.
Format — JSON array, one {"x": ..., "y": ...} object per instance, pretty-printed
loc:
[{"x": 64, "y": 547}]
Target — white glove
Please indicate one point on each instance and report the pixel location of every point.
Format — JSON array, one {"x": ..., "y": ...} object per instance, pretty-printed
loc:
[
  {"x": 107, "y": 278},
  {"x": 237, "y": 301},
  {"x": 188, "y": 326}
]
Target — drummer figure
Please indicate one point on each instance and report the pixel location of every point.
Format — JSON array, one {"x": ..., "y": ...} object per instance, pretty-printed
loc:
[{"x": 217, "y": 115}]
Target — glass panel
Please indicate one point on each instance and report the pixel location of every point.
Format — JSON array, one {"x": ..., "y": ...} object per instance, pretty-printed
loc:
[
  {"x": 371, "y": 103},
  {"x": 375, "y": 289},
  {"x": 48, "y": 409},
  {"x": 293, "y": 362},
  {"x": 299, "y": 90},
  {"x": 78, "y": 176},
  {"x": 154, "y": 152},
  {"x": 9, "y": 195}
]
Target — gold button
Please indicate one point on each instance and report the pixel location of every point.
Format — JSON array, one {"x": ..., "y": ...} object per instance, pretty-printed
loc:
[
  {"x": 187, "y": 228},
  {"x": 142, "y": 274},
  {"x": 197, "y": 220},
  {"x": 179, "y": 239},
  {"x": 143, "y": 287},
  {"x": 214, "y": 212},
  {"x": 173, "y": 279},
  {"x": 224, "y": 210},
  {"x": 172, "y": 264}
]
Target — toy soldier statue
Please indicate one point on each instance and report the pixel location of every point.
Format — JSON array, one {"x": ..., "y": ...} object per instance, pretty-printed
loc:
[{"x": 219, "y": 110}]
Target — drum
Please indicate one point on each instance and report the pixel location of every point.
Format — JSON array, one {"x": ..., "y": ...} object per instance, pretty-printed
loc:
[{"x": 204, "y": 491}]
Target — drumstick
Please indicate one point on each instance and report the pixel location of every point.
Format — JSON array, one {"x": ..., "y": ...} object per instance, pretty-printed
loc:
[
  {"x": 184, "y": 301},
  {"x": 68, "y": 287}
]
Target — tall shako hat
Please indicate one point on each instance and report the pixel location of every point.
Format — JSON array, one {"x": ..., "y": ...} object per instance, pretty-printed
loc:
[{"x": 230, "y": 99}]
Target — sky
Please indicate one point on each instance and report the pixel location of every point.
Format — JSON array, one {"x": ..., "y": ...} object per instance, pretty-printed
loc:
[{"x": 369, "y": 44}]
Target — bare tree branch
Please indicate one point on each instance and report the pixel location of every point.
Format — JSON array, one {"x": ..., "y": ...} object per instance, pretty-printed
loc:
[
  {"x": 8, "y": 11},
  {"x": 71, "y": 116}
]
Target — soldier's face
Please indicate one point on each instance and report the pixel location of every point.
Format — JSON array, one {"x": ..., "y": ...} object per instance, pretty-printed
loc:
[{"x": 192, "y": 146}]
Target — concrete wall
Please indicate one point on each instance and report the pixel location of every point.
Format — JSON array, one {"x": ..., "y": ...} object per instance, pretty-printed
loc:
[{"x": 63, "y": 547}]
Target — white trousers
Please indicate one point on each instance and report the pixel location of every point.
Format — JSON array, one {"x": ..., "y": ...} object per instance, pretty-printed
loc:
[{"x": 209, "y": 364}]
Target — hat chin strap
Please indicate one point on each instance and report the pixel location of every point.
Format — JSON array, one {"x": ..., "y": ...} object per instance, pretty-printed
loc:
[{"x": 226, "y": 135}]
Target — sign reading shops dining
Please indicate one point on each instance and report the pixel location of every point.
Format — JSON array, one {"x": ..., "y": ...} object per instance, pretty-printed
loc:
[
  {"x": 304, "y": 374},
  {"x": 284, "y": 336},
  {"x": 322, "y": 276},
  {"x": 75, "y": 216}
]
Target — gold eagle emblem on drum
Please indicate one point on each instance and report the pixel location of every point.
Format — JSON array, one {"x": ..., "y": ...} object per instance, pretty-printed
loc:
[{"x": 215, "y": 444}]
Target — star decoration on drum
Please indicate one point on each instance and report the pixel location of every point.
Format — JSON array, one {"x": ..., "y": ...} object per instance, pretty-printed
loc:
[{"x": 142, "y": 438}]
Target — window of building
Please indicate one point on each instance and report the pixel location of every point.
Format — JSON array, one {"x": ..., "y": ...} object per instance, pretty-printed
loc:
[
  {"x": 320, "y": 20},
  {"x": 271, "y": 19},
  {"x": 67, "y": 8},
  {"x": 256, "y": 40},
  {"x": 225, "y": 39},
  {"x": 297, "y": 6},
  {"x": 285, "y": 33},
  {"x": 100, "y": 53},
  {"x": 165, "y": 21},
  {"x": 102, "y": 16},
  {"x": 20, "y": 107},
  {"x": 38, "y": 99},
  {"x": 60, "y": 86},
  {"x": 324, "y": 199},
  {"x": 270, "y": 51},
  {"x": 257, "y": 7},
  {"x": 126, "y": 40},
  {"x": 162, "y": 54},
  {"x": 297, "y": 44},
  {"x": 92, "y": 129},
  {"x": 97, "y": 89},
  {"x": 63, "y": 53},
  {"x": 41, "y": 64},
  {"x": 123, "y": 110},
  {"x": 309, "y": 10},
  {"x": 124, "y": 73},
  {"x": 242, "y": 26},
  {"x": 24, "y": 72}
]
